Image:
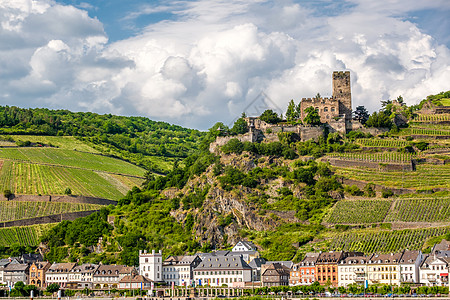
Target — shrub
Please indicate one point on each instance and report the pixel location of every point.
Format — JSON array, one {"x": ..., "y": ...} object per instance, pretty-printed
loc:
[
  {"x": 7, "y": 193},
  {"x": 386, "y": 193},
  {"x": 68, "y": 191}
]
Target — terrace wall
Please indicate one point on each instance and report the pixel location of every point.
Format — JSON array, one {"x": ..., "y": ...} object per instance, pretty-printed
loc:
[
  {"x": 48, "y": 219},
  {"x": 61, "y": 198},
  {"x": 372, "y": 165}
]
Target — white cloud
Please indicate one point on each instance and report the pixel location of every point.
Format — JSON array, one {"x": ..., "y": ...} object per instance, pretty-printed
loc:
[{"x": 215, "y": 58}]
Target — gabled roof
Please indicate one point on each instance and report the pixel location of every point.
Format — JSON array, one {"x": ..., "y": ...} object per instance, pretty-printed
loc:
[
  {"x": 410, "y": 256},
  {"x": 61, "y": 267},
  {"x": 108, "y": 270},
  {"x": 330, "y": 257},
  {"x": 354, "y": 260},
  {"x": 135, "y": 279},
  {"x": 392, "y": 258},
  {"x": 16, "y": 268},
  {"x": 286, "y": 263},
  {"x": 257, "y": 262},
  {"x": 127, "y": 270},
  {"x": 223, "y": 263},
  {"x": 247, "y": 244},
  {"x": 310, "y": 259},
  {"x": 31, "y": 257},
  {"x": 42, "y": 265},
  {"x": 85, "y": 268},
  {"x": 276, "y": 268}
]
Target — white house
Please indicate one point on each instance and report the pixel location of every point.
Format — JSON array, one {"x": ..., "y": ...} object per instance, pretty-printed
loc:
[
  {"x": 351, "y": 270},
  {"x": 178, "y": 270},
  {"x": 244, "y": 246},
  {"x": 58, "y": 273},
  {"x": 82, "y": 276},
  {"x": 150, "y": 265},
  {"x": 223, "y": 270},
  {"x": 409, "y": 266},
  {"x": 434, "y": 271}
]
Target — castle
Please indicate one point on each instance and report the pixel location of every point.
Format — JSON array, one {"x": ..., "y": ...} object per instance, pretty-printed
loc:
[{"x": 338, "y": 106}]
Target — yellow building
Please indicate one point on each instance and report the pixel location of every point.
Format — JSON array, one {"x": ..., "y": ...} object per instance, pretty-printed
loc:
[{"x": 384, "y": 269}]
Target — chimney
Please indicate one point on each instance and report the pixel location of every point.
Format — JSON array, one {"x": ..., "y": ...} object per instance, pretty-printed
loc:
[
  {"x": 160, "y": 252},
  {"x": 153, "y": 252},
  {"x": 140, "y": 252}
]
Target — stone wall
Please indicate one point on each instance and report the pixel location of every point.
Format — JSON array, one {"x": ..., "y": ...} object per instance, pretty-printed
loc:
[
  {"x": 311, "y": 132},
  {"x": 357, "y": 126},
  {"x": 372, "y": 165},
  {"x": 338, "y": 126},
  {"x": 378, "y": 188},
  {"x": 48, "y": 219},
  {"x": 251, "y": 136},
  {"x": 61, "y": 198}
]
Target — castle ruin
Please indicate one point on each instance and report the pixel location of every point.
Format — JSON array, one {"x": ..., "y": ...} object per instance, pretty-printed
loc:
[{"x": 338, "y": 106}]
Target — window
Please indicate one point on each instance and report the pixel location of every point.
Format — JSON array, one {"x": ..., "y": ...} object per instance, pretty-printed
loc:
[{"x": 325, "y": 109}]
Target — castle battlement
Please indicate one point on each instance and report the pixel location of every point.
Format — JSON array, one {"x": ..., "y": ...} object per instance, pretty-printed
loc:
[{"x": 325, "y": 100}]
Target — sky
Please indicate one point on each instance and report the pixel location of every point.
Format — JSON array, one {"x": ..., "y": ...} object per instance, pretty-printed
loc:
[{"x": 194, "y": 63}]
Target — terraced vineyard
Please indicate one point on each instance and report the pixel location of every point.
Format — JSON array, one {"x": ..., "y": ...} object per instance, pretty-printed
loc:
[
  {"x": 384, "y": 241},
  {"x": 420, "y": 210},
  {"x": 431, "y": 118},
  {"x": 70, "y": 158},
  {"x": 382, "y": 143},
  {"x": 25, "y": 236},
  {"x": 16, "y": 210},
  {"x": 425, "y": 177},
  {"x": 26, "y": 178},
  {"x": 386, "y": 157},
  {"x": 359, "y": 211}
]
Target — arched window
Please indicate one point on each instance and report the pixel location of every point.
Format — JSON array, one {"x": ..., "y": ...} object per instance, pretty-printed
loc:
[{"x": 325, "y": 109}]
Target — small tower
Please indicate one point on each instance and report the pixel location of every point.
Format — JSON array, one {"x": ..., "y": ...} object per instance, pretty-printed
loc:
[
  {"x": 150, "y": 264},
  {"x": 343, "y": 93}
]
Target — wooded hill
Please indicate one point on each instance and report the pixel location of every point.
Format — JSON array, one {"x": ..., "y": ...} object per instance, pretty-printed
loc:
[{"x": 288, "y": 197}]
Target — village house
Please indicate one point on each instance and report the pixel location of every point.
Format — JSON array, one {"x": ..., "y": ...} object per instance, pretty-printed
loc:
[
  {"x": 304, "y": 273},
  {"x": 244, "y": 246},
  {"x": 135, "y": 281},
  {"x": 434, "y": 271},
  {"x": 178, "y": 270},
  {"x": 223, "y": 270},
  {"x": 384, "y": 269},
  {"x": 37, "y": 273},
  {"x": 275, "y": 274},
  {"x": 58, "y": 273},
  {"x": 82, "y": 276},
  {"x": 327, "y": 267},
  {"x": 409, "y": 266},
  {"x": 14, "y": 273},
  {"x": 107, "y": 276},
  {"x": 256, "y": 265},
  {"x": 352, "y": 269}
]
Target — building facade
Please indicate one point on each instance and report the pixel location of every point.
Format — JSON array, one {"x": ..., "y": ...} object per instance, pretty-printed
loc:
[
  {"x": 275, "y": 274},
  {"x": 150, "y": 265},
  {"x": 59, "y": 273},
  {"x": 178, "y": 270},
  {"x": 37, "y": 273},
  {"x": 327, "y": 267},
  {"x": 230, "y": 271},
  {"x": 384, "y": 269},
  {"x": 352, "y": 269}
]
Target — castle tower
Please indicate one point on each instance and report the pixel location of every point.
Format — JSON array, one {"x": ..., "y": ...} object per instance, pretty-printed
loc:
[
  {"x": 150, "y": 264},
  {"x": 342, "y": 92}
]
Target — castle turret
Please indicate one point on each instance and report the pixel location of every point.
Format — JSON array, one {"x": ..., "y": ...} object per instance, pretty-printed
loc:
[{"x": 342, "y": 92}]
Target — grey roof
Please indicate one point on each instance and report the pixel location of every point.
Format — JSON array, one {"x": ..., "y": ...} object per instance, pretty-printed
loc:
[
  {"x": 61, "y": 267},
  {"x": 354, "y": 260},
  {"x": 385, "y": 258},
  {"x": 188, "y": 259},
  {"x": 108, "y": 270},
  {"x": 330, "y": 257},
  {"x": 85, "y": 268},
  {"x": 31, "y": 257},
  {"x": 429, "y": 259},
  {"x": 442, "y": 246},
  {"x": 235, "y": 253},
  {"x": 213, "y": 254},
  {"x": 286, "y": 263},
  {"x": 4, "y": 262},
  {"x": 410, "y": 256},
  {"x": 310, "y": 259},
  {"x": 15, "y": 267},
  {"x": 223, "y": 263},
  {"x": 257, "y": 262}
]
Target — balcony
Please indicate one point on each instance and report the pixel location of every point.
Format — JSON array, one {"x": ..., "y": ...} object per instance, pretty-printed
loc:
[
  {"x": 360, "y": 279},
  {"x": 359, "y": 272}
]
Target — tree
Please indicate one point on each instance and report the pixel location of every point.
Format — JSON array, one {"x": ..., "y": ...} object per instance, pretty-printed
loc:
[
  {"x": 312, "y": 116},
  {"x": 269, "y": 116},
  {"x": 379, "y": 120},
  {"x": 361, "y": 114},
  {"x": 68, "y": 191},
  {"x": 240, "y": 126},
  {"x": 292, "y": 112}
]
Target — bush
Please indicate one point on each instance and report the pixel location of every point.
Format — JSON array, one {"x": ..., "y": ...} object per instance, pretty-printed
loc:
[
  {"x": 7, "y": 193},
  {"x": 385, "y": 193},
  {"x": 68, "y": 191},
  {"x": 353, "y": 190},
  {"x": 54, "y": 287}
]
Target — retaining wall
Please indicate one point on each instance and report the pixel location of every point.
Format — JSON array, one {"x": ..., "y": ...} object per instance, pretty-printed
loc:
[{"x": 48, "y": 219}]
